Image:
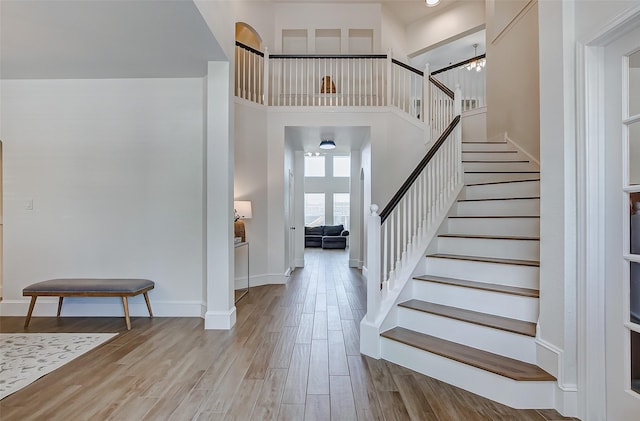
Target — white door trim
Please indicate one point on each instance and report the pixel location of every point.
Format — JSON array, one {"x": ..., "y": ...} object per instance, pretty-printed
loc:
[{"x": 590, "y": 124}]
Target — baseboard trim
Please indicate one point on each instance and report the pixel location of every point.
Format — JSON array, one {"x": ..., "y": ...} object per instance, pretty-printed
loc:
[
  {"x": 550, "y": 358},
  {"x": 515, "y": 144},
  {"x": 101, "y": 307},
  {"x": 222, "y": 320}
]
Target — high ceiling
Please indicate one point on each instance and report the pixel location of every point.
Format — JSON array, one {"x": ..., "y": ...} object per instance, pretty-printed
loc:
[
  {"x": 406, "y": 11},
  {"x": 49, "y": 39}
]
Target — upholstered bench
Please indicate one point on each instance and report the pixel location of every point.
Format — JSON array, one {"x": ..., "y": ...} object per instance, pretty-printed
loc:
[{"x": 89, "y": 287}]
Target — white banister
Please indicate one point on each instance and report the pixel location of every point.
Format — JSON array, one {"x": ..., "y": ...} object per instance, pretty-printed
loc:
[
  {"x": 373, "y": 264},
  {"x": 389, "y": 99},
  {"x": 265, "y": 78}
]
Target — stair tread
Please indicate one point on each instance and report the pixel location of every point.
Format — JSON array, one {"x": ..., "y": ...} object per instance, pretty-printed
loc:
[
  {"x": 483, "y": 319},
  {"x": 485, "y": 161},
  {"x": 494, "y": 363},
  {"x": 485, "y": 142},
  {"x": 482, "y": 151},
  {"x": 498, "y": 198},
  {"x": 502, "y": 172},
  {"x": 495, "y": 216},
  {"x": 505, "y": 289},
  {"x": 486, "y": 259},
  {"x": 491, "y": 237},
  {"x": 502, "y": 182}
]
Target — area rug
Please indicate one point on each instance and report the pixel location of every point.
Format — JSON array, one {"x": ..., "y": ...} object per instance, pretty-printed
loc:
[{"x": 25, "y": 357}]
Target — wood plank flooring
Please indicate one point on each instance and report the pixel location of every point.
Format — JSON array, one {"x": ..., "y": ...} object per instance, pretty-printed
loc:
[{"x": 292, "y": 355}]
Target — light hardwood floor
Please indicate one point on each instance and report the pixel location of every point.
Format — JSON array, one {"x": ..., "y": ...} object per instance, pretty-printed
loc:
[{"x": 292, "y": 355}]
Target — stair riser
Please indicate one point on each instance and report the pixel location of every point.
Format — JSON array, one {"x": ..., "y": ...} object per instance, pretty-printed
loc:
[
  {"x": 506, "y": 190},
  {"x": 519, "y": 207},
  {"x": 494, "y": 248},
  {"x": 496, "y": 303},
  {"x": 499, "y": 166},
  {"x": 470, "y": 178},
  {"x": 495, "y": 146},
  {"x": 494, "y": 226},
  {"x": 495, "y": 273},
  {"x": 497, "y": 341},
  {"x": 492, "y": 156},
  {"x": 517, "y": 394}
]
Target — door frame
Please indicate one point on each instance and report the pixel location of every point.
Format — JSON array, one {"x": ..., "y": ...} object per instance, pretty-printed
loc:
[{"x": 590, "y": 215}]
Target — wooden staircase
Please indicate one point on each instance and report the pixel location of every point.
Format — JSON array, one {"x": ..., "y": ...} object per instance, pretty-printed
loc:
[{"x": 471, "y": 319}]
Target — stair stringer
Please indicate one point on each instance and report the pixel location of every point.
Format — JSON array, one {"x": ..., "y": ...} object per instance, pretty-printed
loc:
[{"x": 370, "y": 339}]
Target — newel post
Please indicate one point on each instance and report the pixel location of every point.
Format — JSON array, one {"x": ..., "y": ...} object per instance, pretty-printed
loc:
[
  {"x": 373, "y": 264},
  {"x": 265, "y": 74},
  {"x": 426, "y": 103}
]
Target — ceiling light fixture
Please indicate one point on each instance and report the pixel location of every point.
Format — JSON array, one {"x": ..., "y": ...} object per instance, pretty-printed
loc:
[
  {"x": 431, "y": 3},
  {"x": 476, "y": 64},
  {"x": 327, "y": 144}
]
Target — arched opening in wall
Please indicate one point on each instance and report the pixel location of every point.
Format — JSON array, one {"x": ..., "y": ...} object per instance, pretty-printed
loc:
[
  {"x": 248, "y": 36},
  {"x": 249, "y": 64}
]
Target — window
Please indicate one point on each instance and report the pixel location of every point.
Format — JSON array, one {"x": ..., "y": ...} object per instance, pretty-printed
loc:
[
  {"x": 341, "y": 166},
  {"x": 313, "y": 209},
  {"x": 341, "y": 209},
  {"x": 314, "y": 166}
]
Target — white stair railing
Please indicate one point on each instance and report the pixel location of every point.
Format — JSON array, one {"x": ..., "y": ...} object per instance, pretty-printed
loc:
[
  {"x": 397, "y": 237},
  {"x": 471, "y": 76}
]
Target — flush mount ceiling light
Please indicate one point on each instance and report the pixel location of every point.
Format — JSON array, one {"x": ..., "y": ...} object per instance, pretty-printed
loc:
[
  {"x": 476, "y": 64},
  {"x": 327, "y": 144},
  {"x": 431, "y": 3}
]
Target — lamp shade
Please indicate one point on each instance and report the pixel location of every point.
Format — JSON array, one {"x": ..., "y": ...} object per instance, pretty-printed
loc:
[
  {"x": 243, "y": 208},
  {"x": 327, "y": 144}
]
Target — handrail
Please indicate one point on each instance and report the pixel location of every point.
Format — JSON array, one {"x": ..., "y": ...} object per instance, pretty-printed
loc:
[
  {"x": 406, "y": 66},
  {"x": 321, "y": 56},
  {"x": 250, "y": 49},
  {"x": 416, "y": 172},
  {"x": 442, "y": 87},
  {"x": 462, "y": 63}
]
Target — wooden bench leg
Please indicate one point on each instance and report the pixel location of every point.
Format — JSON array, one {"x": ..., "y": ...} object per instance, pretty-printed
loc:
[
  {"x": 125, "y": 304},
  {"x": 32, "y": 304},
  {"x": 59, "y": 307},
  {"x": 146, "y": 299}
]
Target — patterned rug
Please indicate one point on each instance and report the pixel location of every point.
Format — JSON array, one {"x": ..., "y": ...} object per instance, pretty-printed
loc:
[{"x": 25, "y": 357}]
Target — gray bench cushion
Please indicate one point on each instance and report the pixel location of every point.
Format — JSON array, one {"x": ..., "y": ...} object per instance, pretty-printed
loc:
[{"x": 90, "y": 285}]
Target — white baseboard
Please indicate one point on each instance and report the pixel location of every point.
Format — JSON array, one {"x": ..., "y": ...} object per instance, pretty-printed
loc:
[
  {"x": 299, "y": 262},
  {"x": 101, "y": 307},
  {"x": 355, "y": 263},
  {"x": 365, "y": 271},
  {"x": 223, "y": 320},
  {"x": 550, "y": 358},
  {"x": 266, "y": 279}
]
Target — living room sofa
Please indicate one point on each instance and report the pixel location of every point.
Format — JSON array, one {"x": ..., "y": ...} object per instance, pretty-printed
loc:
[{"x": 326, "y": 236}]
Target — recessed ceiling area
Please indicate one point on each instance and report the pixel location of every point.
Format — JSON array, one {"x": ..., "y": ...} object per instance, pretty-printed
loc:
[
  {"x": 67, "y": 39},
  {"x": 307, "y": 139}
]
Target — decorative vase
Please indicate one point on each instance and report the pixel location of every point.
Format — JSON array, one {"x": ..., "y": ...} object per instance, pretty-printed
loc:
[{"x": 238, "y": 230}]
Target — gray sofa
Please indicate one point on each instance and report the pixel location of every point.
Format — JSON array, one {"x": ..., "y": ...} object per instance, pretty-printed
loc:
[{"x": 326, "y": 236}]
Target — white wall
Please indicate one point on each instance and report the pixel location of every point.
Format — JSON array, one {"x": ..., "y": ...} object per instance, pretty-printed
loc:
[
  {"x": 260, "y": 15},
  {"x": 393, "y": 35},
  {"x": 512, "y": 73},
  {"x": 456, "y": 21},
  {"x": 114, "y": 171},
  {"x": 325, "y": 15},
  {"x": 561, "y": 26},
  {"x": 250, "y": 171}
]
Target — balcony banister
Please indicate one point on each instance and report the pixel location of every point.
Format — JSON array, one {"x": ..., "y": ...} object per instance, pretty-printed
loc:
[{"x": 460, "y": 64}]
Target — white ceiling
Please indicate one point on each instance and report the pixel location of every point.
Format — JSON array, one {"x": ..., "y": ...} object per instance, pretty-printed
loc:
[
  {"x": 406, "y": 11},
  {"x": 50, "y": 39},
  {"x": 308, "y": 139}
]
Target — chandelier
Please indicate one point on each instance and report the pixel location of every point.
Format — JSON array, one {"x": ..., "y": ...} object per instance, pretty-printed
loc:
[{"x": 476, "y": 64}]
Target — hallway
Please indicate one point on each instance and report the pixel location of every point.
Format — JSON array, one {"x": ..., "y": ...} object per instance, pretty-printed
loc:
[{"x": 292, "y": 355}]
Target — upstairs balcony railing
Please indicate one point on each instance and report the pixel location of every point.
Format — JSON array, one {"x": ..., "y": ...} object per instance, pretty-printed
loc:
[{"x": 370, "y": 80}]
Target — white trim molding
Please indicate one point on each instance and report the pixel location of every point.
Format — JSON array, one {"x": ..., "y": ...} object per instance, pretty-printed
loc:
[
  {"x": 223, "y": 320},
  {"x": 551, "y": 358}
]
